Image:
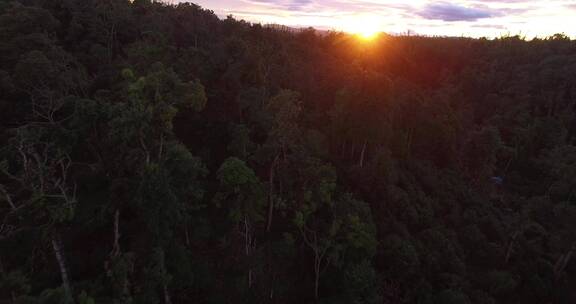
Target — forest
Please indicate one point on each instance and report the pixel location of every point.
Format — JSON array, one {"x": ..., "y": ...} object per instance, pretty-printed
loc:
[{"x": 156, "y": 153}]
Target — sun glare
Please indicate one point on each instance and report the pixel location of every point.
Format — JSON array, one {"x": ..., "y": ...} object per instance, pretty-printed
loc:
[
  {"x": 364, "y": 27},
  {"x": 368, "y": 34}
]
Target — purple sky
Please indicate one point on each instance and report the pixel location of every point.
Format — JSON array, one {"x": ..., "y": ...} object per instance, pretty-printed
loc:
[{"x": 490, "y": 18}]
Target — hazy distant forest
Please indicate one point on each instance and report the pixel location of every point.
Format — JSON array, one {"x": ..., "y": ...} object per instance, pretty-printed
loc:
[{"x": 152, "y": 153}]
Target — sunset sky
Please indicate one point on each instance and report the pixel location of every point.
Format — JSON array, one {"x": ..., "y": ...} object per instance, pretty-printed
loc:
[{"x": 475, "y": 18}]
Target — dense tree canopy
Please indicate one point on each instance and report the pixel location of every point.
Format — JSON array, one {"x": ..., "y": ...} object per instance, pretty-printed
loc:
[{"x": 153, "y": 153}]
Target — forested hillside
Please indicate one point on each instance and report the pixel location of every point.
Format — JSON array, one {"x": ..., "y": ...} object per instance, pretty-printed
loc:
[{"x": 157, "y": 154}]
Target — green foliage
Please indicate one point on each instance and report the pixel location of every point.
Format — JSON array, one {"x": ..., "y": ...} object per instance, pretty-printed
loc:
[
  {"x": 153, "y": 153},
  {"x": 500, "y": 283},
  {"x": 362, "y": 284},
  {"x": 284, "y": 110},
  {"x": 196, "y": 97},
  {"x": 33, "y": 69},
  {"x": 16, "y": 282},
  {"x": 452, "y": 297},
  {"x": 240, "y": 185},
  {"x": 241, "y": 145},
  {"x": 401, "y": 257},
  {"x": 83, "y": 298},
  {"x": 234, "y": 174}
]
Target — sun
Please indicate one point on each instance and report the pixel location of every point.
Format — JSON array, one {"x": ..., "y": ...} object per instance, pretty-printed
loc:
[
  {"x": 364, "y": 27},
  {"x": 368, "y": 34}
]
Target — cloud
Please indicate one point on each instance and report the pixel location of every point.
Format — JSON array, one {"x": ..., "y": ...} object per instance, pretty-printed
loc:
[
  {"x": 451, "y": 12},
  {"x": 489, "y": 26},
  {"x": 290, "y": 5},
  {"x": 477, "y": 18},
  {"x": 509, "y": 1},
  {"x": 337, "y": 6}
]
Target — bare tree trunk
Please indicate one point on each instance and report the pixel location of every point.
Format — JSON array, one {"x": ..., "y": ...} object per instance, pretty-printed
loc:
[
  {"x": 317, "y": 262},
  {"x": 271, "y": 194},
  {"x": 186, "y": 233},
  {"x": 272, "y": 286},
  {"x": 563, "y": 262},
  {"x": 510, "y": 247},
  {"x": 362, "y": 154},
  {"x": 8, "y": 198},
  {"x": 161, "y": 148},
  {"x": 57, "y": 247},
  {"x": 409, "y": 142},
  {"x": 247, "y": 248},
  {"x": 116, "y": 246},
  {"x": 167, "y": 299}
]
